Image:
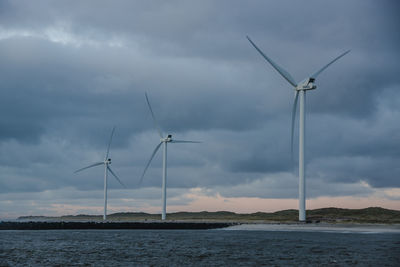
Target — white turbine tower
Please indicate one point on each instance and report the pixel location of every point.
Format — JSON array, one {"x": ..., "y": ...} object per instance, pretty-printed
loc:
[
  {"x": 300, "y": 88},
  {"x": 106, "y": 162},
  {"x": 163, "y": 141}
]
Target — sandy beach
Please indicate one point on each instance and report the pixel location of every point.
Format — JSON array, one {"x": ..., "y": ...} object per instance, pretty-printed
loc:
[{"x": 320, "y": 227}]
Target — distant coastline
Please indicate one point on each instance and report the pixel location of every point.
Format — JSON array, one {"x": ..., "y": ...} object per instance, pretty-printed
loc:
[{"x": 372, "y": 215}]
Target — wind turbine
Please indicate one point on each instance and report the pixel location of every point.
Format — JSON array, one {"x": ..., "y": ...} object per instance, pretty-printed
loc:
[
  {"x": 163, "y": 141},
  {"x": 299, "y": 88},
  {"x": 107, "y": 168}
]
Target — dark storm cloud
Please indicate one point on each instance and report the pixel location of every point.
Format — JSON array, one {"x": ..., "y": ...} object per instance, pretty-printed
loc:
[{"x": 69, "y": 72}]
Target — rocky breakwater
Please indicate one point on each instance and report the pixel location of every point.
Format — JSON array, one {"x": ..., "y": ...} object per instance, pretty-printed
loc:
[{"x": 113, "y": 225}]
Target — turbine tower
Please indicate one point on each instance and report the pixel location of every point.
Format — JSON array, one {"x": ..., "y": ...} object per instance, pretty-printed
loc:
[
  {"x": 300, "y": 89},
  {"x": 163, "y": 141},
  {"x": 107, "y": 168}
]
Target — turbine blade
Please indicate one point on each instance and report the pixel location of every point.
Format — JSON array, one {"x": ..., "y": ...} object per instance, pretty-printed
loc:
[
  {"x": 148, "y": 163},
  {"x": 154, "y": 118},
  {"x": 327, "y": 65},
  {"x": 87, "y": 167},
  {"x": 296, "y": 97},
  {"x": 115, "y": 176},
  {"x": 184, "y": 141},
  {"x": 281, "y": 70},
  {"x": 109, "y": 142}
]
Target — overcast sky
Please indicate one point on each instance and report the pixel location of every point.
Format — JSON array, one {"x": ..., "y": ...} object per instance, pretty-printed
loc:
[{"x": 69, "y": 72}]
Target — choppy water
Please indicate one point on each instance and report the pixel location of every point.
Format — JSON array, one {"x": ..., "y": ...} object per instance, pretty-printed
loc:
[{"x": 201, "y": 247}]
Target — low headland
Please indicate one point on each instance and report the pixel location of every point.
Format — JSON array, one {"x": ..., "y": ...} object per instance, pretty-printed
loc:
[
  {"x": 329, "y": 215},
  {"x": 204, "y": 219}
]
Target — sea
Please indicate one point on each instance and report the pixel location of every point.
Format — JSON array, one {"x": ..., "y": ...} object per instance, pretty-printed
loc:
[{"x": 244, "y": 245}]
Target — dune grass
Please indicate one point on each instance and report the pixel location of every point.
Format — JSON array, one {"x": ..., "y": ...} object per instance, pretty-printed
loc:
[{"x": 331, "y": 215}]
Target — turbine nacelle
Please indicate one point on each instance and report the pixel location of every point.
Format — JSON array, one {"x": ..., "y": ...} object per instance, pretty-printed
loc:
[
  {"x": 107, "y": 161},
  {"x": 167, "y": 139},
  {"x": 307, "y": 84}
]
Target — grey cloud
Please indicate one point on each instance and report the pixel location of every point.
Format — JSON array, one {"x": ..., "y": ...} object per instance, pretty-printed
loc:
[{"x": 61, "y": 97}]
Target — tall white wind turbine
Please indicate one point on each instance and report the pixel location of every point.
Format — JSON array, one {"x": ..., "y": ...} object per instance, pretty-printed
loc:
[
  {"x": 107, "y": 168},
  {"x": 299, "y": 88},
  {"x": 163, "y": 141}
]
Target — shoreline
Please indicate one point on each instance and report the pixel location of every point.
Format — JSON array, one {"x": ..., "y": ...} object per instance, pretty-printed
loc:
[
  {"x": 201, "y": 225},
  {"x": 366, "y": 228}
]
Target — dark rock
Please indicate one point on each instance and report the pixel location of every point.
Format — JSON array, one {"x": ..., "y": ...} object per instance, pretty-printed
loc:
[{"x": 111, "y": 225}]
